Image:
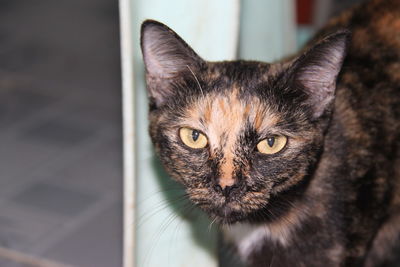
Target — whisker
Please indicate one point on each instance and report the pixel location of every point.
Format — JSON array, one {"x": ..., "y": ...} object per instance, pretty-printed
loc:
[
  {"x": 156, "y": 193},
  {"x": 198, "y": 83},
  {"x": 157, "y": 236},
  {"x": 172, "y": 216},
  {"x": 158, "y": 208},
  {"x": 211, "y": 224}
]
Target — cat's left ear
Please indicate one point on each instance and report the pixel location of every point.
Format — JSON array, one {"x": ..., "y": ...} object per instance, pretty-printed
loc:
[
  {"x": 167, "y": 57},
  {"x": 316, "y": 71}
]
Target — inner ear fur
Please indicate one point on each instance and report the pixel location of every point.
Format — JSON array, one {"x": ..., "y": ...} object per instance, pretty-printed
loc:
[
  {"x": 316, "y": 71},
  {"x": 166, "y": 57}
]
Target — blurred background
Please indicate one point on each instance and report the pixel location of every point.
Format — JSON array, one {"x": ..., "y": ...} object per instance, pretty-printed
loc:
[
  {"x": 61, "y": 125},
  {"x": 60, "y": 133}
]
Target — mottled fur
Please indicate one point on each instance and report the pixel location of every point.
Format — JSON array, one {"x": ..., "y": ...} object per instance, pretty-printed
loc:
[{"x": 331, "y": 197}]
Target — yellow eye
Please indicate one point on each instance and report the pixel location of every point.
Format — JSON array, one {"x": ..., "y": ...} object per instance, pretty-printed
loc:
[
  {"x": 193, "y": 138},
  {"x": 272, "y": 145}
]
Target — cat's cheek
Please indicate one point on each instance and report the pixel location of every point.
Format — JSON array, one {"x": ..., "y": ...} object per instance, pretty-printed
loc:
[
  {"x": 188, "y": 168},
  {"x": 270, "y": 174}
]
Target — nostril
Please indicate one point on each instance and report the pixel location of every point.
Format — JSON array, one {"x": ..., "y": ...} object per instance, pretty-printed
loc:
[{"x": 218, "y": 188}]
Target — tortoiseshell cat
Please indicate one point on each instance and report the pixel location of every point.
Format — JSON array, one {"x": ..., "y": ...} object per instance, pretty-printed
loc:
[{"x": 301, "y": 159}]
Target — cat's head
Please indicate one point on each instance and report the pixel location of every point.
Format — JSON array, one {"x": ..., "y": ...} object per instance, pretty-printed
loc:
[{"x": 241, "y": 136}]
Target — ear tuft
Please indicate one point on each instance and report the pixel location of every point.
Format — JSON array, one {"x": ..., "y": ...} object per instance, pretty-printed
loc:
[{"x": 317, "y": 70}]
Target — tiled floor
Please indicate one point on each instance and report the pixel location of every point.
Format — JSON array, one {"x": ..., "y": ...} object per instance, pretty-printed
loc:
[{"x": 60, "y": 133}]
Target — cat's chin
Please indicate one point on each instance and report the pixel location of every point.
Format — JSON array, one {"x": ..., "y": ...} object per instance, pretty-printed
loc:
[
  {"x": 226, "y": 215},
  {"x": 228, "y": 220}
]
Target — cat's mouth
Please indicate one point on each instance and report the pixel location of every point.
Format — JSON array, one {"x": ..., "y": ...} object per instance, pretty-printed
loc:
[
  {"x": 221, "y": 210},
  {"x": 227, "y": 213},
  {"x": 229, "y": 210}
]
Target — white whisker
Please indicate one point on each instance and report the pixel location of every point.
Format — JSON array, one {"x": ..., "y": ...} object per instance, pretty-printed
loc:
[{"x": 198, "y": 83}]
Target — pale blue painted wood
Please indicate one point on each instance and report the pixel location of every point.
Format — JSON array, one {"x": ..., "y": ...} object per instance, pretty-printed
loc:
[{"x": 267, "y": 29}]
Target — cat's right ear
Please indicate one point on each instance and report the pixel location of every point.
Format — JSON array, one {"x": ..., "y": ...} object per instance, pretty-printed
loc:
[
  {"x": 317, "y": 70},
  {"x": 166, "y": 57}
]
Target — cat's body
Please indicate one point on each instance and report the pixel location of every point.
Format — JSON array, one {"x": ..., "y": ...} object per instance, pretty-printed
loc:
[{"x": 331, "y": 195}]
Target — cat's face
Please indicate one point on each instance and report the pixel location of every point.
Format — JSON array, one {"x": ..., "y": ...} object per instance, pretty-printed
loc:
[{"x": 242, "y": 137}]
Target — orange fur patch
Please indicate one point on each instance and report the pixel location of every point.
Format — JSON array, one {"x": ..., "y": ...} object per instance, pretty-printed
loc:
[{"x": 224, "y": 116}]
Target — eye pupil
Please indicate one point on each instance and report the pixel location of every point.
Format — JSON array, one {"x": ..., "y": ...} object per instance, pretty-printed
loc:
[
  {"x": 271, "y": 141},
  {"x": 193, "y": 138},
  {"x": 195, "y": 135},
  {"x": 272, "y": 145}
]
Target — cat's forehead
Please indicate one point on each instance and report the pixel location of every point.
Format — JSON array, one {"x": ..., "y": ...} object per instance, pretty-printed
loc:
[
  {"x": 229, "y": 111},
  {"x": 241, "y": 72},
  {"x": 233, "y": 99}
]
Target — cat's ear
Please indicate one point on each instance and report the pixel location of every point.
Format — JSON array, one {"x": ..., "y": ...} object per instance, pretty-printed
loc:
[
  {"x": 166, "y": 57},
  {"x": 316, "y": 71}
]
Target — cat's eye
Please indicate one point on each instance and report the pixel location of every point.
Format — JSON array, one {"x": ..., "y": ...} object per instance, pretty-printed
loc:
[
  {"x": 272, "y": 144},
  {"x": 193, "y": 138}
]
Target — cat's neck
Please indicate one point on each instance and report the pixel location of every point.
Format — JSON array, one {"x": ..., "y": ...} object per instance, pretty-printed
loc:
[{"x": 250, "y": 237}]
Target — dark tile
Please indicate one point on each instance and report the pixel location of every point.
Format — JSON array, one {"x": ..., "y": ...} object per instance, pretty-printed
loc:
[
  {"x": 59, "y": 131},
  {"x": 11, "y": 239},
  {"x": 20, "y": 104},
  {"x": 21, "y": 228},
  {"x": 8, "y": 5},
  {"x": 98, "y": 243},
  {"x": 10, "y": 263},
  {"x": 98, "y": 170},
  {"x": 55, "y": 199},
  {"x": 17, "y": 57}
]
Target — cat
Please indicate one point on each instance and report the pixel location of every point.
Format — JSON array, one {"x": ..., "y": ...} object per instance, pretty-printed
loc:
[{"x": 300, "y": 158}]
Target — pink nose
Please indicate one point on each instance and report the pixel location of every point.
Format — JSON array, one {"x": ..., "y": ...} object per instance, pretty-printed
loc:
[{"x": 226, "y": 182}]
